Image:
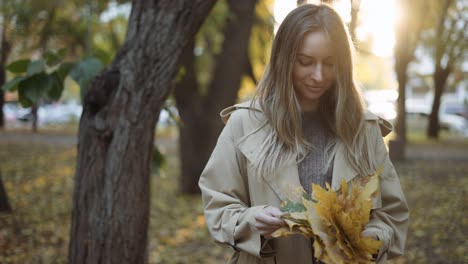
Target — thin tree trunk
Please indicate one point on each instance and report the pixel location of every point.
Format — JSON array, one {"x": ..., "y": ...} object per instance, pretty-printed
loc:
[
  {"x": 408, "y": 37},
  {"x": 355, "y": 6},
  {"x": 115, "y": 142},
  {"x": 200, "y": 114},
  {"x": 397, "y": 147},
  {"x": 440, "y": 80},
  {"x": 441, "y": 72},
  {"x": 4, "y": 203},
  {"x": 34, "y": 117},
  {"x": 5, "y": 48}
]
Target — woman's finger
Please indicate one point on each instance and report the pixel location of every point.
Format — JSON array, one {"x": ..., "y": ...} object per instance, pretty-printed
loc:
[{"x": 270, "y": 220}]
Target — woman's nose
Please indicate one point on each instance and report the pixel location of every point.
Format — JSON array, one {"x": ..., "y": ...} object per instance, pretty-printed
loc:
[{"x": 317, "y": 74}]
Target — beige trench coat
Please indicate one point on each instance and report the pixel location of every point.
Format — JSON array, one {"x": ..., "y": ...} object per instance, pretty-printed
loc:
[{"x": 231, "y": 197}]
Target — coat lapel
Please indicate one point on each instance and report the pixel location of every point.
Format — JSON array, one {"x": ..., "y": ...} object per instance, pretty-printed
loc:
[
  {"x": 341, "y": 168},
  {"x": 288, "y": 175}
]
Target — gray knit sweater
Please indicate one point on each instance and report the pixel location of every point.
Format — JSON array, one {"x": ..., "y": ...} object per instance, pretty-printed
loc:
[{"x": 311, "y": 167}]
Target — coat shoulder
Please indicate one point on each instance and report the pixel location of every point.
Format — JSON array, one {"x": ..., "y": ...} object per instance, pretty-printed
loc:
[
  {"x": 385, "y": 126},
  {"x": 240, "y": 111}
]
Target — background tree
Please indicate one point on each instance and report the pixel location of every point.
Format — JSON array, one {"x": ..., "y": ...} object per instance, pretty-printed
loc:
[
  {"x": 4, "y": 203},
  {"x": 449, "y": 47},
  {"x": 4, "y": 51},
  {"x": 116, "y": 134},
  {"x": 12, "y": 25},
  {"x": 201, "y": 94},
  {"x": 355, "y": 6},
  {"x": 408, "y": 31},
  {"x": 35, "y": 26}
]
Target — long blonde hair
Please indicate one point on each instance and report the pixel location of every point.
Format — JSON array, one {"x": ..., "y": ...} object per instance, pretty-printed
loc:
[{"x": 342, "y": 105}]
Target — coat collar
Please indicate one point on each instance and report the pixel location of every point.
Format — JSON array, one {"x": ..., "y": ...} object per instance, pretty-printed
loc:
[
  {"x": 289, "y": 174},
  {"x": 385, "y": 126}
]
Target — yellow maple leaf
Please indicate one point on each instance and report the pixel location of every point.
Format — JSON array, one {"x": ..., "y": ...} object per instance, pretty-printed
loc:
[
  {"x": 344, "y": 215},
  {"x": 334, "y": 219}
]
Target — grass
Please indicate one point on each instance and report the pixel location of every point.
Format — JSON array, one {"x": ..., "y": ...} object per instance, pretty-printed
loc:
[{"x": 39, "y": 182}]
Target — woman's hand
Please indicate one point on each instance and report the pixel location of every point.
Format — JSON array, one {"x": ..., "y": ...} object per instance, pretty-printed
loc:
[
  {"x": 370, "y": 233},
  {"x": 268, "y": 221}
]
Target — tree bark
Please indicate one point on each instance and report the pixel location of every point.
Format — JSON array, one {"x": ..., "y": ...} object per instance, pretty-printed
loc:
[
  {"x": 5, "y": 48},
  {"x": 408, "y": 36},
  {"x": 200, "y": 114},
  {"x": 403, "y": 56},
  {"x": 116, "y": 134},
  {"x": 442, "y": 69},
  {"x": 4, "y": 203},
  {"x": 440, "y": 79},
  {"x": 34, "y": 117},
  {"x": 355, "y": 6}
]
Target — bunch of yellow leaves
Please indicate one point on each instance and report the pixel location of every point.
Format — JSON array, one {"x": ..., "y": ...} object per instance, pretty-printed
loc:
[{"x": 335, "y": 220}]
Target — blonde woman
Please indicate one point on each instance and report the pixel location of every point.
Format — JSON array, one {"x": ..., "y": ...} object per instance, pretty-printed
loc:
[{"x": 306, "y": 124}]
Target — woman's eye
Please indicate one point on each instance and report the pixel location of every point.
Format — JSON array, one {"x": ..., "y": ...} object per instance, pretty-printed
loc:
[{"x": 303, "y": 63}]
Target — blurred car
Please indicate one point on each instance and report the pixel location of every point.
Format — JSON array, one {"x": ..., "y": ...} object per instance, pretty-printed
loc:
[
  {"x": 10, "y": 111},
  {"x": 57, "y": 113},
  {"x": 453, "y": 115}
]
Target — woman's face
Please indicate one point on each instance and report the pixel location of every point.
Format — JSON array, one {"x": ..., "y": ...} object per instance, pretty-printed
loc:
[{"x": 313, "y": 73}]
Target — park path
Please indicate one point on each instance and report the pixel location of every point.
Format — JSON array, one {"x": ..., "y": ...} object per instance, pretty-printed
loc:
[
  {"x": 456, "y": 149},
  {"x": 38, "y": 138}
]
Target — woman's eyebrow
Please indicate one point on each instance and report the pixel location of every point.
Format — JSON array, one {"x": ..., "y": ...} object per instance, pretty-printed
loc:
[{"x": 313, "y": 57}]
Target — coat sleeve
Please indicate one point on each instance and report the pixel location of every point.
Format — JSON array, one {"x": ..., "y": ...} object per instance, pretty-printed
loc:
[
  {"x": 390, "y": 221},
  {"x": 224, "y": 186}
]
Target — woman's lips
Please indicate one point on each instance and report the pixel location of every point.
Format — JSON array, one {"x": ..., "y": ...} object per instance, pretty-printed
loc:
[{"x": 315, "y": 87}]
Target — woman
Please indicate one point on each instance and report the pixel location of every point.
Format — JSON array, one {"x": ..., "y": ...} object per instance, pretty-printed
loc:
[{"x": 306, "y": 124}]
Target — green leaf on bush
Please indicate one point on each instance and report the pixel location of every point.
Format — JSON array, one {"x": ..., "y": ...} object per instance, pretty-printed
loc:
[
  {"x": 35, "y": 87},
  {"x": 13, "y": 84},
  {"x": 19, "y": 66},
  {"x": 84, "y": 71},
  {"x": 57, "y": 86},
  {"x": 36, "y": 66},
  {"x": 64, "y": 69},
  {"x": 53, "y": 58},
  {"x": 25, "y": 102}
]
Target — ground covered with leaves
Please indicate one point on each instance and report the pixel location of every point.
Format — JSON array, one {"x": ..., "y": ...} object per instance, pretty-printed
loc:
[{"x": 38, "y": 178}]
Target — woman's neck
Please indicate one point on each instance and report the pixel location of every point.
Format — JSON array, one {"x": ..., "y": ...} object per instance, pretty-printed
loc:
[{"x": 309, "y": 107}]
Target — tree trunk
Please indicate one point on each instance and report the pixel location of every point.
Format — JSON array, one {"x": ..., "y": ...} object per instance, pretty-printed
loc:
[
  {"x": 5, "y": 48},
  {"x": 407, "y": 40},
  {"x": 355, "y": 6},
  {"x": 34, "y": 117},
  {"x": 442, "y": 69},
  {"x": 116, "y": 134},
  {"x": 440, "y": 78},
  {"x": 4, "y": 203},
  {"x": 397, "y": 147},
  {"x": 402, "y": 78},
  {"x": 402, "y": 59},
  {"x": 200, "y": 114}
]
